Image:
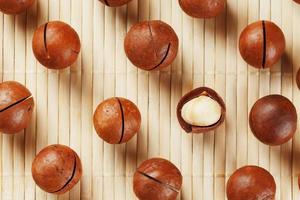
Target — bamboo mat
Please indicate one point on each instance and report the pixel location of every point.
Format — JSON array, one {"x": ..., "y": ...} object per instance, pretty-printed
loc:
[{"x": 208, "y": 55}]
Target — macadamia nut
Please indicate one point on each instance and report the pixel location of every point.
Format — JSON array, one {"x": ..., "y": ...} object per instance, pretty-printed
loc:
[
  {"x": 115, "y": 3},
  {"x": 14, "y": 7},
  {"x": 201, "y": 111}
]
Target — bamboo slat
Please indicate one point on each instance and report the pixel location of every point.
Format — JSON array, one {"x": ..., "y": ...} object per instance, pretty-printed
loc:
[{"x": 208, "y": 55}]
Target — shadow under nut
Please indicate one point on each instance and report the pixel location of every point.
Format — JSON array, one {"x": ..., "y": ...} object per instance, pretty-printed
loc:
[
  {"x": 115, "y": 3},
  {"x": 262, "y": 44},
  {"x": 158, "y": 179},
  {"x": 151, "y": 45},
  {"x": 56, "y": 45},
  {"x": 117, "y": 120},
  {"x": 16, "y": 107},
  {"x": 14, "y": 7},
  {"x": 249, "y": 183},
  {"x": 273, "y": 119},
  {"x": 56, "y": 169},
  {"x": 203, "y": 8}
]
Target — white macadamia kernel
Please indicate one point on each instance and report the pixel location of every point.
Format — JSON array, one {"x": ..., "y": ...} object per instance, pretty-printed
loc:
[{"x": 201, "y": 111}]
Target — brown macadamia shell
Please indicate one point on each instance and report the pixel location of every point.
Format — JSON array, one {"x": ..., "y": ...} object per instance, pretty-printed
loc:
[
  {"x": 16, "y": 106},
  {"x": 298, "y": 78},
  {"x": 151, "y": 45},
  {"x": 194, "y": 94},
  {"x": 56, "y": 45},
  {"x": 115, "y": 3},
  {"x": 56, "y": 169},
  {"x": 117, "y": 120},
  {"x": 262, "y": 44},
  {"x": 249, "y": 183},
  {"x": 203, "y": 8},
  {"x": 273, "y": 119},
  {"x": 14, "y": 7},
  {"x": 297, "y": 1},
  {"x": 157, "y": 179}
]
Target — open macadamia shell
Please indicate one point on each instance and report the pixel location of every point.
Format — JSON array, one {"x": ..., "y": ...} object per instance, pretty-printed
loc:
[
  {"x": 157, "y": 179},
  {"x": 16, "y": 106},
  {"x": 56, "y": 169},
  {"x": 251, "y": 183},
  {"x": 203, "y": 8},
  {"x": 262, "y": 44},
  {"x": 151, "y": 45},
  {"x": 14, "y": 7},
  {"x": 56, "y": 45},
  {"x": 115, "y": 3},
  {"x": 273, "y": 119},
  {"x": 194, "y": 94},
  {"x": 117, "y": 120}
]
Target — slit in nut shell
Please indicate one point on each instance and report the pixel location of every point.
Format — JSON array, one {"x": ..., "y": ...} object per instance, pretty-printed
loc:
[
  {"x": 16, "y": 106},
  {"x": 56, "y": 169},
  {"x": 201, "y": 110}
]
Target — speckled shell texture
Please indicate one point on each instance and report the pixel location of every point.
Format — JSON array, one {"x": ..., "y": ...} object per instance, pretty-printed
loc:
[
  {"x": 117, "y": 120},
  {"x": 251, "y": 183},
  {"x": 203, "y": 8},
  {"x": 16, "y": 106},
  {"x": 14, "y": 7},
  {"x": 151, "y": 45},
  {"x": 56, "y": 169},
  {"x": 157, "y": 179},
  {"x": 56, "y": 45}
]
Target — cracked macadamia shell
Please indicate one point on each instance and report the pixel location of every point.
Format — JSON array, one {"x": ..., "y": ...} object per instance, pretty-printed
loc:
[
  {"x": 157, "y": 179},
  {"x": 117, "y": 120},
  {"x": 201, "y": 111},
  {"x": 262, "y": 44},
  {"x": 56, "y": 169},
  {"x": 203, "y": 8},
  {"x": 16, "y": 106},
  {"x": 151, "y": 45},
  {"x": 251, "y": 183},
  {"x": 273, "y": 119},
  {"x": 14, "y": 7},
  {"x": 56, "y": 45},
  {"x": 115, "y": 3}
]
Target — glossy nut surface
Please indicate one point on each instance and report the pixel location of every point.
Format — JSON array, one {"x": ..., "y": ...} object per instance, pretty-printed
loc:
[
  {"x": 273, "y": 119},
  {"x": 151, "y": 45},
  {"x": 192, "y": 95},
  {"x": 56, "y": 169},
  {"x": 251, "y": 183},
  {"x": 298, "y": 78},
  {"x": 202, "y": 8},
  {"x": 157, "y": 179},
  {"x": 115, "y": 3},
  {"x": 262, "y": 44},
  {"x": 117, "y": 120},
  {"x": 16, "y": 106},
  {"x": 14, "y": 7},
  {"x": 56, "y": 45}
]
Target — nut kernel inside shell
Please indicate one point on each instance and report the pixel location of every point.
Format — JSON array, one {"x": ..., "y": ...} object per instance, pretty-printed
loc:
[{"x": 201, "y": 111}]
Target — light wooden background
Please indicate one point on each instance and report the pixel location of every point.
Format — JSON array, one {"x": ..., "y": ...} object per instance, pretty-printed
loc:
[{"x": 208, "y": 56}]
